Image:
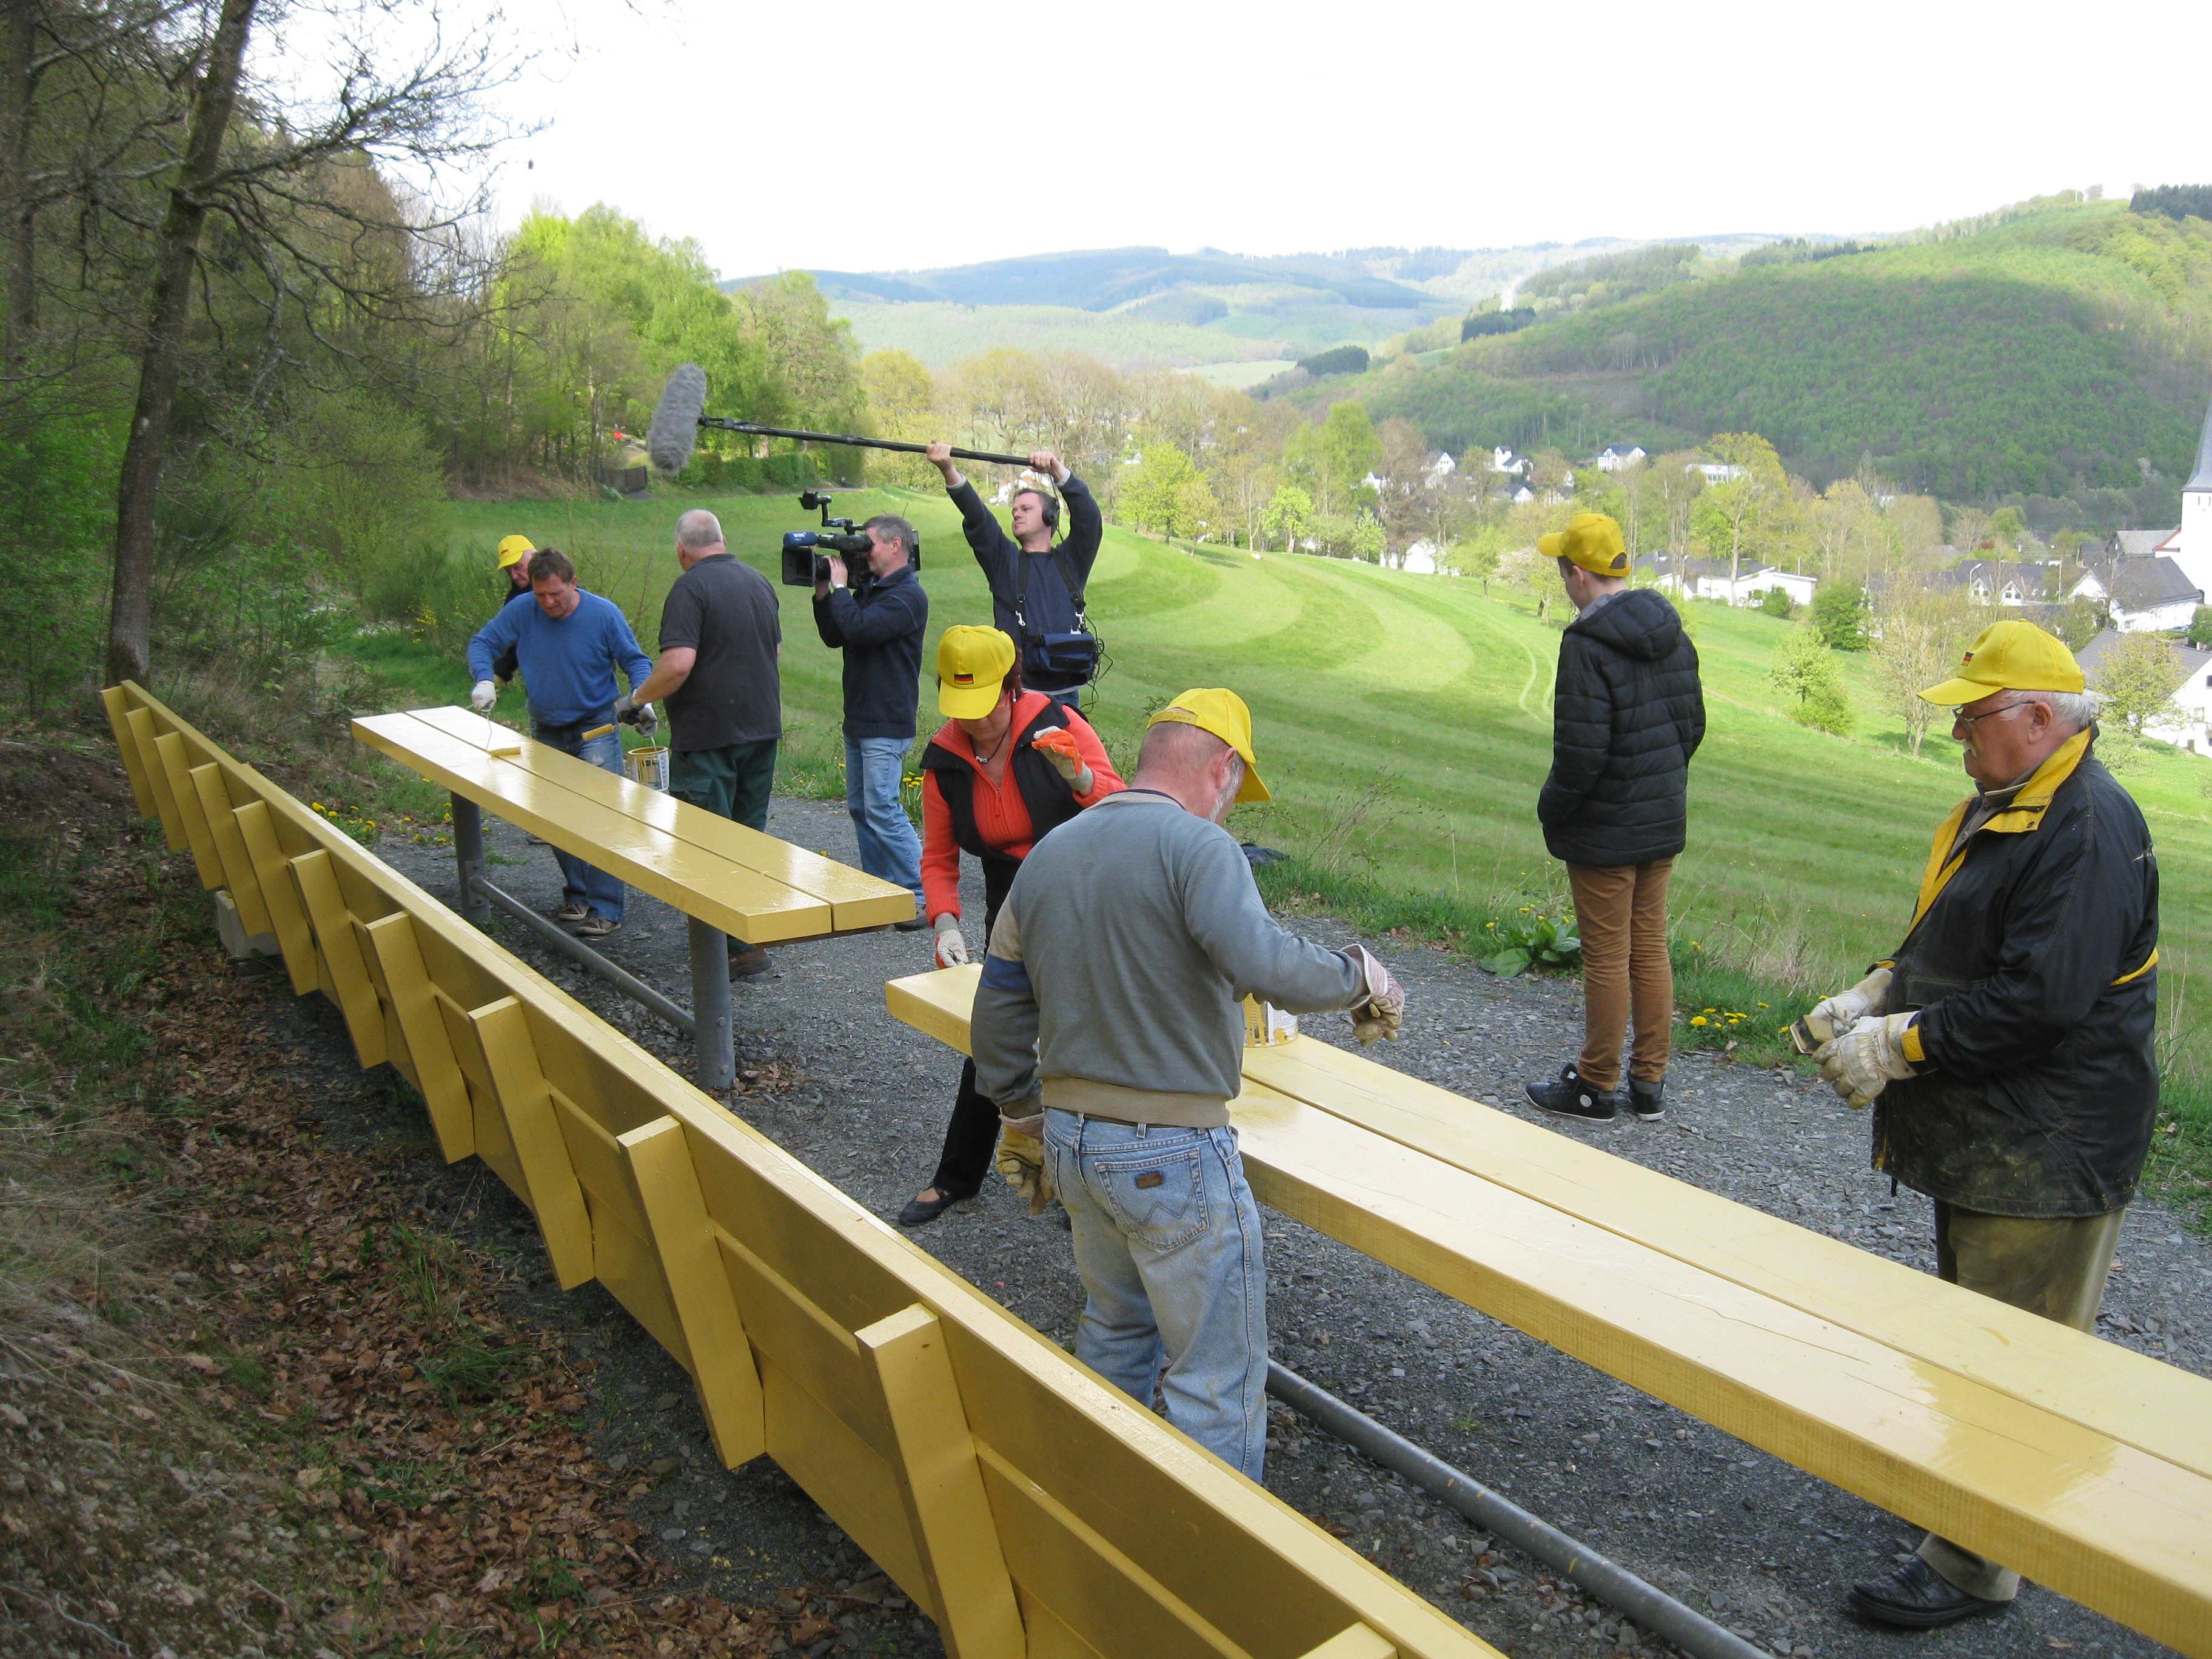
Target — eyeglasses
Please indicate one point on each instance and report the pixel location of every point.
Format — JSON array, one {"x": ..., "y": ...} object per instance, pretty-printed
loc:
[{"x": 1960, "y": 717}]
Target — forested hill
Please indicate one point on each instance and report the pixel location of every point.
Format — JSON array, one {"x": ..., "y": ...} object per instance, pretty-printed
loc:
[{"x": 2053, "y": 351}]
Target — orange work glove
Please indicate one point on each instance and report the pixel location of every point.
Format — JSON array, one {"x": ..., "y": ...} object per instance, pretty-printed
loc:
[{"x": 1058, "y": 746}]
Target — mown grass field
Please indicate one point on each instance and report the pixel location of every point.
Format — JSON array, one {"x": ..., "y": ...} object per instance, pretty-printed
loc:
[{"x": 1404, "y": 723}]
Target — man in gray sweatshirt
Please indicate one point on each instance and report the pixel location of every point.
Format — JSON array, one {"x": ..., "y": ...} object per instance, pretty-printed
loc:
[{"x": 1107, "y": 1027}]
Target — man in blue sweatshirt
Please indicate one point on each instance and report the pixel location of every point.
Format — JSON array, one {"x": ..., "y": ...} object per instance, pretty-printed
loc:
[
  {"x": 1108, "y": 1027},
  {"x": 569, "y": 644}
]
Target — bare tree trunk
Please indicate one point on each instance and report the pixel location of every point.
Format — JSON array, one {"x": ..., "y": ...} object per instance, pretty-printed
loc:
[
  {"x": 131, "y": 607},
  {"x": 19, "y": 33}
]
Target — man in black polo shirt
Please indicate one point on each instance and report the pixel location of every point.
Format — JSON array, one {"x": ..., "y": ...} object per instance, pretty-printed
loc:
[
  {"x": 879, "y": 629},
  {"x": 721, "y": 635},
  {"x": 1036, "y": 588}
]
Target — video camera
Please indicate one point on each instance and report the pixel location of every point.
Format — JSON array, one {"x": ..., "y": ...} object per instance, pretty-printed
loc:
[{"x": 806, "y": 552}]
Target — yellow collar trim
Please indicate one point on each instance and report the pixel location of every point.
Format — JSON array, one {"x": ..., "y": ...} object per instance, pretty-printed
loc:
[{"x": 2025, "y": 814}]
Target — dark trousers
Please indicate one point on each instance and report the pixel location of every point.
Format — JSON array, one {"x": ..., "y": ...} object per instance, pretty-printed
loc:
[
  {"x": 732, "y": 781},
  {"x": 973, "y": 1134}
]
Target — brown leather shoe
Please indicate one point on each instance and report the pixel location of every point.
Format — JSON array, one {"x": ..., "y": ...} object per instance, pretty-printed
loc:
[
  {"x": 749, "y": 963},
  {"x": 1917, "y": 1597}
]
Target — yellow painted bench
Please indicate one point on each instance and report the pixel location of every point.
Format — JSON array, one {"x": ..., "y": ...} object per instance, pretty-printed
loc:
[
  {"x": 2084, "y": 1466},
  {"x": 1025, "y": 1506},
  {"x": 726, "y": 879}
]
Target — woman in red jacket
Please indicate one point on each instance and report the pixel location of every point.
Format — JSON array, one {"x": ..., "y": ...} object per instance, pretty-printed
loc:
[{"x": 1007, "y": 766}]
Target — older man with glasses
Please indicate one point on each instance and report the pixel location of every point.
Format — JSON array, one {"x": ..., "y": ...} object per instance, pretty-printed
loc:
[{"x": 2007, "y": 1048}]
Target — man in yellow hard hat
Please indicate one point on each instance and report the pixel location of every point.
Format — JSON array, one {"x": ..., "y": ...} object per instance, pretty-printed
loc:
[
  {"x": 2006, "y": 1047},
  {"x": 1627, "y": 713},
  {"x": 1109, "y": 1029},
  {"x": 513, "y": 553}
]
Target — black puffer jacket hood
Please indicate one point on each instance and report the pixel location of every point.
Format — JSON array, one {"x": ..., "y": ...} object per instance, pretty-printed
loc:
[{"x": 1627, "y": 713}]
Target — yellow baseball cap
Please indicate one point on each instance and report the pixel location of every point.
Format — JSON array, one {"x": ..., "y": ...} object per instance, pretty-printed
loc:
[
  {"x": 1224, "y": 714},
  {"x": 513, "y": 550},
  {"x": 1591, "y": 540},
  {"x": 2008, "y": 656},
  {"x": 971, "y": 666}
]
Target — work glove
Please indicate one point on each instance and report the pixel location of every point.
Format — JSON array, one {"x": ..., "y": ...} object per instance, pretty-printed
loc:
[
  {"x": 1058, "y": 746},
  {"x": 1830, "y": 1017},
  {"x": 951, "y": 944},
  {"x": 642, "y": 715},
  {"x": 484, "y": 696},
  {"x": 1863, "y": 1061},
  {"x": 1021, "y": 1159},
  {"x": 1381, "y": 1009}
]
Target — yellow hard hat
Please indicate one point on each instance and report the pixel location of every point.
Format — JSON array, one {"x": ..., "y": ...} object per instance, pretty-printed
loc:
[
  {"x": 513, "y": 550},
  {"x": 1591, "y": 540},
  {"x": 1224, "y": 714},
  {"x": 2008, "y": 656},
  {"x": 971, "y": 666}
]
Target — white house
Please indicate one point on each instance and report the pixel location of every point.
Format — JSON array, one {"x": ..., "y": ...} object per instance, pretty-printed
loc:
[
  {"x": 1437, "y": 466},
  {"x": 1518, "y": 492},
  {"x": 2187, "y": 547},
  {"x": 2141, "y": 596},
  {"x": 1716, "y": 472},
  {"x": 1502, "y": 459},
  {"x": 1799, "y": 587},
  {"x": 1613, "y": 457},
  {"x": 1708, "y": 579},
  {"x": 2193, "y": 732},
  {"x": 1420, "y": 558}
]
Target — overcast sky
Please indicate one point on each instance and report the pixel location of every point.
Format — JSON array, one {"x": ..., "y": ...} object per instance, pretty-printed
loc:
[{"x": 876, "y": 137}]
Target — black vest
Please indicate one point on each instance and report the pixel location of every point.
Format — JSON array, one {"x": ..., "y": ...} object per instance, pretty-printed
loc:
[{"x": 1048, "y": 796}]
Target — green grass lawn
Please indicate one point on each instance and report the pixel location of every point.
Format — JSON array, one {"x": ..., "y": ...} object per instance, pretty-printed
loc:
[{"x": 1404, "y": 723}]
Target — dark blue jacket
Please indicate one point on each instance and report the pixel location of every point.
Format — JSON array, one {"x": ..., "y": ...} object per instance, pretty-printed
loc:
[
  {"x": 1036, "y": 588},
  {"x": 880, "y": 632}
]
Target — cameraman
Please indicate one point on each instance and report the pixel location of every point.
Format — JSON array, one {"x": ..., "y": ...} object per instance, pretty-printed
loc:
[
  {"x": 1036, "y": 589},
  {"x": 878, "y": 623}
]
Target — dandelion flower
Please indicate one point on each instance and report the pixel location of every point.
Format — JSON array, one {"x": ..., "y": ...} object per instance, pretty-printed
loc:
[{"x": 1697, "y": 1019}]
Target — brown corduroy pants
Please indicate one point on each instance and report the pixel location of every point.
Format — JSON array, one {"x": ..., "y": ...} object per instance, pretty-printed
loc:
[{"x": 1621, "y": 913}]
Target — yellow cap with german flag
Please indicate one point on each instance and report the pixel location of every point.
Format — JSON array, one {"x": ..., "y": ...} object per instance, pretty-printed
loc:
[
  {"x": 971, "y": 666},
  {"x": 514, "y": 549},
  {"x": 1591, "y": 540},
  {"x": 2008, "y": 656},
  {"x": 1224, "y": 714}
]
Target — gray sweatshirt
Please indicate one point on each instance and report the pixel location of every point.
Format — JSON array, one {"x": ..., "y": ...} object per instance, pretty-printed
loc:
[{"x": 1119, "y": 963}]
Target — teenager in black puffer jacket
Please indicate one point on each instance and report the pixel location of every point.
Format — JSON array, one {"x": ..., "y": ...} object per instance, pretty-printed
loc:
[{"x": 1627, "y": 713}]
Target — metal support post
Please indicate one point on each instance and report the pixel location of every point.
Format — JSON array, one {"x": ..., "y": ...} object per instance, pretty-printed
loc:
[
  {"x": 582, "y": 954},
  {"x": 716, "y": 1062},
  {"x": 469, "y": 855}
]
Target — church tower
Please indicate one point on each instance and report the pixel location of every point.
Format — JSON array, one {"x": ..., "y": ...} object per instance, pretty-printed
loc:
[{"x": 2193, "y": 551}]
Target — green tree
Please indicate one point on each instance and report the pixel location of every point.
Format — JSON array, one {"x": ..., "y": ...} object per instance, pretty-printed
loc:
[
  {"x": 1165, "y": 493},
  {"x": 1289, "y": 516},
  {"x": 1839, "y": 610},
  {"x": 1776, "y": 602},
  {"x": 2137, "y": 680},
  {"x": 902, "y": 404},
  {"x": 1331, "y": 456},
  {"x": 1805, "y": 672},
  {"x": 2200, "y": 626},
  {"x": 1920, "y": 631}
]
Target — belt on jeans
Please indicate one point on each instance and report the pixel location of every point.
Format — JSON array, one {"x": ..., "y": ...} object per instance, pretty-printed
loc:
[{"x": 575, "y": 727}]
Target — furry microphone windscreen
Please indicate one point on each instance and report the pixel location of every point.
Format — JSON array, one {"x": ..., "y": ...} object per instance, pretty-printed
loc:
[{"x": 675, "y": 430}]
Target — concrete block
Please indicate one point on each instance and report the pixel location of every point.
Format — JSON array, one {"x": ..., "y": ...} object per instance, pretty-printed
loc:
[{"x": 236, "y": 941}]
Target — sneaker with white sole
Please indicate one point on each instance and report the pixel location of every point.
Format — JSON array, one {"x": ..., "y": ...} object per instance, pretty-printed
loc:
[
  {"x": 1570, "y": 1096},
  {"x": 1647, "y": 1100},
  {"x": 571, "y": 912},
  {"x": 596, "y": 926}
]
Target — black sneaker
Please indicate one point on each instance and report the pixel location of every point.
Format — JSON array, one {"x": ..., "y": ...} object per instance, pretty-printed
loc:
[
  {"x": 1569, "y": 1096},
  {"x": 1647, "y": 1100}
]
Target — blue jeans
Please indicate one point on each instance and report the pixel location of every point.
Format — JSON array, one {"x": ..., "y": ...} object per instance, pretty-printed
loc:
[
  {"x": 889, "y": 849},
  {"x": 1167, "y": 1241},
  {"x": 580, "y": 882}
]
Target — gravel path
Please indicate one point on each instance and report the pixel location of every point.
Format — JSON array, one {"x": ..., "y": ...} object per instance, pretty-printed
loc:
[{"x": 1760, "y": 1546}]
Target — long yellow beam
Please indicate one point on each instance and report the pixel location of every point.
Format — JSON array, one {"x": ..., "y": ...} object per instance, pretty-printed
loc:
[
  {"x": 741, "y": 903},
  {"x": 856, "y": 899},
  {"x": 2107, "y": 1523}
]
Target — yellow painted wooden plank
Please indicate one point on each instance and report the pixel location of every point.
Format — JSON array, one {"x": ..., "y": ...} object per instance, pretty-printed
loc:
[
  {"x": 344, "y": 970},
  {"x": 1357, "y": 1642},
  {"x": 437, "y": 1074},
  {"x": 942, "y": 1488},
  {"x": 2116, "y": 1527},
  {"x": 257, "y": 830},
  {"x": 534, "y": 1129},
  {"x": 628, "y": 1269},
  {"x": 238, "y": 874},
  {"x": 852, "y": 1484},
  {"x": 602, "y": 1167},
  {"x": 744, "y": 905},
  {"x": 817, "y": 1352},
  {"x": 143, "y": 732},
  {"x": 714, "y": 1328},
  {"x": 176, "y": 766},
  {"x": 117, "y": 702},
  {"x": 857, "y": 900},
  {"x": 2157, "y": 1407}
]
